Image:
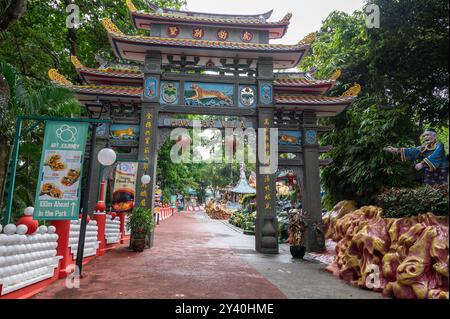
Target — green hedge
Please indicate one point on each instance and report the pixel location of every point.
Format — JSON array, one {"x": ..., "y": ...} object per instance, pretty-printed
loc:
[{"x": 403, "y": 202}]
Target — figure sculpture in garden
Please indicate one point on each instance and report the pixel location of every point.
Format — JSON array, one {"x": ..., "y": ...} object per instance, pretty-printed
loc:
[{"x": 431, "y": 155}]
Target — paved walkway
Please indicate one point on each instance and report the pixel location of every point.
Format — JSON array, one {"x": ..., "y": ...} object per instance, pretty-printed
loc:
[{"x": 196, "y": 257}]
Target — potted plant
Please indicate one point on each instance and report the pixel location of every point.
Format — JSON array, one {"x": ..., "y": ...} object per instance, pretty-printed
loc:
[
  {"x": 140, "y": 224},
  {"x": 296, "y": 230}
]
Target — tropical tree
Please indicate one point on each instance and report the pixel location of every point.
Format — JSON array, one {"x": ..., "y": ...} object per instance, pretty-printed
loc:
[
  {"x": 403, "y": 70},
  {"x": 15, "y": 100}
]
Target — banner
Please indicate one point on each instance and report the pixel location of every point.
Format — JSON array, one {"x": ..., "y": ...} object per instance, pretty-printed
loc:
[
  {"x": 59, "y": 183},
  {"x": 124, "y": 187}
]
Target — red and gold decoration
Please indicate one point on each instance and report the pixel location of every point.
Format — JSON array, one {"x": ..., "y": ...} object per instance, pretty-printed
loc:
[
  {"x": 198, "y": 33},
  {"x": 405, "y": 258},
  {"x": 173, "y": 31},
  {"x": 247, "y": 36},
  {"x": 222, "y": 34}
]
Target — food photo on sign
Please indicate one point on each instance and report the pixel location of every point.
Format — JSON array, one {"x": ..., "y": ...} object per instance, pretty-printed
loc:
[{"x": 124, "y": 187}]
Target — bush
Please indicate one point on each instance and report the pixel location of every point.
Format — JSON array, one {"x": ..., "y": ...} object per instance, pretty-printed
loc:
[
  {"x": 404, "y": 202},
  {"x": 140, "y": 222}
]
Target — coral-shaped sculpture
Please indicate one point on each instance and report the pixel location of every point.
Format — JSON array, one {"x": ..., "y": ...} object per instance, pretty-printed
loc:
[
  {"x": 403, "y": 258},
  {"x": 130, "y": 6},
  {"x": 287, "y": 18},
  {"x": 353, "y": 91},
  {"x": 110, "y": 26},
  {"x": 57, "y": 78},
  {"x": 76, "y": 63},
  {"x": 308, "y": 39},
  {"x": 335, "y": 75}
]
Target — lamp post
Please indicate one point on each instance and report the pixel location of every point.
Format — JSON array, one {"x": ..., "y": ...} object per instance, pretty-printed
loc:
[{"x": 106, "y": 157}]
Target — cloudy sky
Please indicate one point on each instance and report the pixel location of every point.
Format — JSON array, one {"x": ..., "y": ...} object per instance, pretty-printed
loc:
[{"x": 307, "y": 14}]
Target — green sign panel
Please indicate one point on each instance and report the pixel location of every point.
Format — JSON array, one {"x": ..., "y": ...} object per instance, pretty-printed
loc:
[{"x": 59, "y": 183}]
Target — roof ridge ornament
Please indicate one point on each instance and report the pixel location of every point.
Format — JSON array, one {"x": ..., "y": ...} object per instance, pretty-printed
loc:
[
  {"x": 353, "y": 91},
  {"x": 110, "y": 26},
  {"x": 76, "y": 63},
  {"x": 57, "y": 78},
  {"x": 130, "y": 6},
  {"x": 308, "y": 39},
  {"x": 335, "y": 75},
  {"x": 287, "y": 18}
]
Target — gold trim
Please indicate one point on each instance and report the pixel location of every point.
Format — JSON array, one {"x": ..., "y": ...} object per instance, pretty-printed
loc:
[
  {"x": 353, "y": 91},
  {"x": 58, "y": 78},
  {"x": 76, "y": 63},
  {"x": 430, "y": 165},
  {"x": 335, "y": 75},
  {"x": 110, "y": 26},
  {"x": 131, "y": 6},
  {"x": 308, "y": 39}
]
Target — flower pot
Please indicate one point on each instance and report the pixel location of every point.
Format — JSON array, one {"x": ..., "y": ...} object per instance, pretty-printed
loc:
[
  {"x": 298, "y": 251},
  {"x": 138, "y": 245}
]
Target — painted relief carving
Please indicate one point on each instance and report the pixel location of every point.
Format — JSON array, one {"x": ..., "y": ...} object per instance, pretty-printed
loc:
[
  {"x": 169, "y": 92},
  {"x": 311, "y": 137},
  {"x": 247, "y": 36},
  {"x": 173, "y": 31},
  {"x": 247, "y": 96},
  {"x": 266, "y": 93},
  {"x": 198, "y": 33},
  {"x": 289, "y": 138},
  {"x": 222, "y": 35},
  {"x": 150, "y": 87},
  {"x": 208, "y": 94}
]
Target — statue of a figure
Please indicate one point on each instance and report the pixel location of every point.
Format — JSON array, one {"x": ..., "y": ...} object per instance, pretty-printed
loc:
[{"x": 431, "y": 155}]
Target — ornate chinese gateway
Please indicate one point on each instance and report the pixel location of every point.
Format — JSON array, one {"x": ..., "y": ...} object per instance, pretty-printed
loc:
[{"x": 212, "y": 64}]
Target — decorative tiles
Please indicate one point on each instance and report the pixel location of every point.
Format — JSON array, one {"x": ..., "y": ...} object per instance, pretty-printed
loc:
[{"x": 289, "y": 138}]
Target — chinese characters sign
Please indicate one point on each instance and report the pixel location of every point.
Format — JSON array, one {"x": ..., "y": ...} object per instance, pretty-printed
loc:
[{"x": 59, "y": 182}]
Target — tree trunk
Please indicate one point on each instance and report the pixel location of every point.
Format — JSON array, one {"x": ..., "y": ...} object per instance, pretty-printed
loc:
[
  {"x": 3, "y": 163},
  {"x": 12, "y": 13}
]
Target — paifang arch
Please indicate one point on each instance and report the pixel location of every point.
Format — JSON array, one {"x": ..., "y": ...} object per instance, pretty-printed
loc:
[{"x": 213, "y": 64}]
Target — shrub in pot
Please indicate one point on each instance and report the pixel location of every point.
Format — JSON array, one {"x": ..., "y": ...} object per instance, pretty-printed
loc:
[
  {"x": 140, "y": 224},
  {"x": 296, "y": 230}
]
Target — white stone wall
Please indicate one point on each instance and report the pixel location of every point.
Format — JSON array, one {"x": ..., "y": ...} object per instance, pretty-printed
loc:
[
  {"x": 112, "y": 230},
  {"x": 27, "y": 259},
  {"x": 90, "y": 244}
]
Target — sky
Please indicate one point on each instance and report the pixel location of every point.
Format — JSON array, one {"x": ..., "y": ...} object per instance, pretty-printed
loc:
[{"x": 307, "y": 15}]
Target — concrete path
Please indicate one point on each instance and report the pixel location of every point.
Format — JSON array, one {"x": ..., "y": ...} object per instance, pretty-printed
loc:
[{"x": 196, "y": 257}]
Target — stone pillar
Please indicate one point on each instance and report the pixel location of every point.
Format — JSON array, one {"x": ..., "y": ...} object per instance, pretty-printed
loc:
[
  {"x": 266, "y": 228},
  {"x": 148, "y": 134},
  {"x": 314, "y": 237},
  {"x": 101, "y": 224}
]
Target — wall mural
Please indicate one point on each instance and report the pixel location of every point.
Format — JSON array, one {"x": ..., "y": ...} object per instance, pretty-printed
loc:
[
  {"x": 289, "y": 138},
  {"x": 150, "y": 87},
  {"x": 208, "y": 94},
  {"x": 169, "y": 92},
  {"x": 247, "y": 96}
]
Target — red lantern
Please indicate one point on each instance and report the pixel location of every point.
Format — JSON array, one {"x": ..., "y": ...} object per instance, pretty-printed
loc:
[{"x": 29, "y": 222}]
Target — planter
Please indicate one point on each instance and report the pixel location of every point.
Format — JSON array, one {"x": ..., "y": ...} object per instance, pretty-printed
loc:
[
  {"x": 137, "y": 245},
  {"x": 298, "y": 251}
]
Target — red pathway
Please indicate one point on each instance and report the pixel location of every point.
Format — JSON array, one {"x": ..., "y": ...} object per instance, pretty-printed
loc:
[{"x": 182, "y": 264}]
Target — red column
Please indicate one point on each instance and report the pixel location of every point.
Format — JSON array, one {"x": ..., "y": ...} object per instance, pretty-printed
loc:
[
  {"x": 63, "y": 230},
  {"x": 101, "y": 224},
  {"x": 122, "y": 227}
]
